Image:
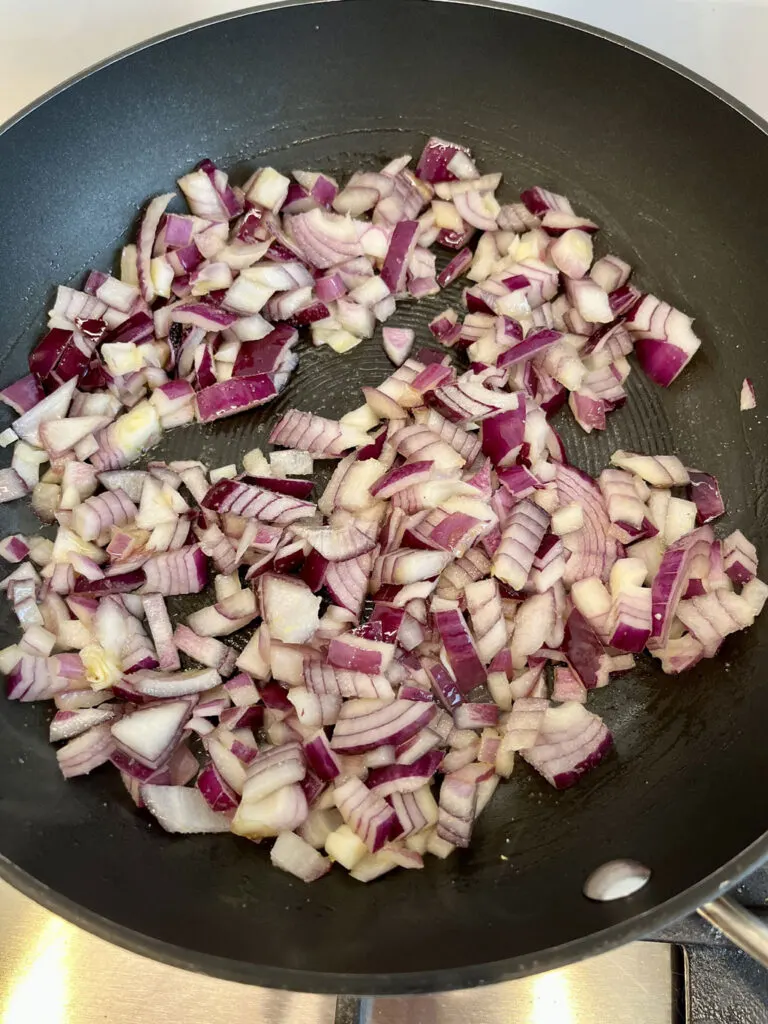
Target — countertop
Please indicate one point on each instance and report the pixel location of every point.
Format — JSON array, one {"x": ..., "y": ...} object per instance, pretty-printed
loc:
[{"x": 43, "y": 42}]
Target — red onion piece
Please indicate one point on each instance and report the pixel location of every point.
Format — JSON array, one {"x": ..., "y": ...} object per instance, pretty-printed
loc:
[
  {"x": 254, "y": 502},
  {"x": 145, "y": 241},
  {"x": 217, "y": 793},
  {"x": 398, "y": 342},
  {"x": 391, "y": 724},
  {"x": 347, "y": 582},
  {"x": 277, "y": 767},
  {"x": 539, "y": 201},
  {"x": 747, "y": 398},
  {"x": 326, "y": 239},
  {"x": 320, "y": 758},
  {"x": 475, "y": 716},
  {"x": 229, "y": 397},
  {"x": 460, "y": 650},
  {"x": 67, "y": 724},
  {"x": 180, "y": 809},
  {"x": 568, "y": 686},
  {"x": 14, "y": 548},
  {"x": 359, "y": 654},
  {"x": 739, "y": 557},
  {"x": 12, "y": 486},
  {"x": 366, "y": 813},
  {"x": 282, "y": 811},
  {"x": 520, "y": 540},
  {"x": 671, "y": 579},
  {"x": 327, "y": 679},
  {"x": 593, "y": 550},
  {"x": 457, "y": 266},
  {"x": 433, "y": 165},
  {"x": 502, "y": 436},
  {"x": 150, "y": 733},
  {"x": 401, "y": 477},
  {"x": 444, "y": 686},
  {"x": 485, "y": 610},
  {"x": 585, "y": 652},
  {"x": 664, "y": 341},
  {"x": 405, "y": 778},
  {"x": 53, "y": 407},
  {"x": 571, "y": 741},
  {"x": 98, "y": 514},
  {"x": 458, "y": 803},
  {"x": 307, "y": 432},
  {"x": 292, "y": 854},
  {"x": 401, "y": 247},
  {"x": 184, "y": 571},
  {"x": 85, "y": 752},
  {"x": 23, "y": 394},
  {"x": 337, "y": 544},
  {"x": 704, "y": 491}
]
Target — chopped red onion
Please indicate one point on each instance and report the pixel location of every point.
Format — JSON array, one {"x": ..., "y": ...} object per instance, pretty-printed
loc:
[
  {"x": 458, "y": 803},
  {"x": 217, "y": 793},
  {"x": 366, "y": 813},
  {"x": 85, "y": 752},
  {"x": 23, "y": 394},
  {"x": 181, "y": 809},
  {"x": 392, "y": 723},
  {"x": 747, "y": 398},
  {"x": 464, "y": 506},
  {"x": 520, "y": 540},
  {"x": 704, "y": 491},
  {"x": 567, "y": 686},
  {"x": 150, "y": 733},
  {"x": 664, "y": 341},
  {"x": 292, "y": 854},
  {"x": 739, "y": 557},
  {"x": 570, "y": 742}
]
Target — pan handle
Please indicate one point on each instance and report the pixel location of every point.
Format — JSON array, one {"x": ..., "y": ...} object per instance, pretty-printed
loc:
[{"x": 746, "y": 930}]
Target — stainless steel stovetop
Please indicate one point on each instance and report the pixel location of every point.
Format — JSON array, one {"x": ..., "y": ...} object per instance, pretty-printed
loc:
[{"x": 52, "y": 971}]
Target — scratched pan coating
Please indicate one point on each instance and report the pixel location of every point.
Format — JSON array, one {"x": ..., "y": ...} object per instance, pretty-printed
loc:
[{"x": 676, "y": 176}]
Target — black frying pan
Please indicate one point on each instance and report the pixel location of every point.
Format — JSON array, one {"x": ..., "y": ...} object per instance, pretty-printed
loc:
[{"x": 676, "y": 173}]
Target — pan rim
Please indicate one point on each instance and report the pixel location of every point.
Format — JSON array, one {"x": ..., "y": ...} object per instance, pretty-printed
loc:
[{"x": 638, "y": 926}]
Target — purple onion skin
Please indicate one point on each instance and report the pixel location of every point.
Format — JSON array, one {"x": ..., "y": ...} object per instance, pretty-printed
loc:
[
  {"x": 291, "y": 486},
  {"x": 264, "y": 355},
  {"x": 321, "y": 760},
  {"x": 444, "y": 688},
  {"x": 385, "y": 622},
  {"x": 583, "y": 649},
  {"x": 312, "y": 787},
  {"x": 660, "y": 360},
  {"x": 424, "y": 767},
  {"x": 415, "y": 693},
  {"x": 123, "y": 583},
  {"x": 502, "y": 434},
  {"x": 125, "y": 763},
  {"x": 466, "y": 665},
  {"x": 314, "y": 570},
  {"x": 275, "y": 697},
  {"x": 630, "y": 638},
  {"x": 704, "y": 492},
  {"x": 567, "y": 779},
  {"x": 226, "y": 398},
  {"x": 374, "y": 449}
]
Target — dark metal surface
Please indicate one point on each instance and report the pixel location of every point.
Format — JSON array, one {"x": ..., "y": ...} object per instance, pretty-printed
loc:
[{"x": 676, "y": 175}]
